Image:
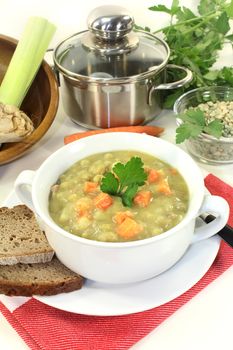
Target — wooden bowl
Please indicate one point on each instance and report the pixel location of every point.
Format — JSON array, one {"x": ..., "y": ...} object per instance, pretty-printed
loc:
[{"x": 40, "y": 103}]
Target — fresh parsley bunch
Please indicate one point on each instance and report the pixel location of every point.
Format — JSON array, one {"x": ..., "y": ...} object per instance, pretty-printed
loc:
[{"x": 195, "y": 41}]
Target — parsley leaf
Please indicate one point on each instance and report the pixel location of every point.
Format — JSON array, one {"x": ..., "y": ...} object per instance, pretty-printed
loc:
[
  {"x": 110, "y": 184},
  {"x": 229, "y": 9},
  {"x": 205, "y": 6},
  {"x": 130, "y": 173},
  {"x": 124, "y": 180},
  {"x": 160, "y": 8},
  {"x": 184, "y": 14},
  {"x": 187, "y": 130},
  {"x": 230, "y": 37},
  {"x": 222, "y": 24},
  {"x": 194, "y": 116},
  {"x": 175, "y": 7},
  {"x": 128, "y": 195},
  {"x": 214, "y": 128},
  {"x": 194, "y": 124}
]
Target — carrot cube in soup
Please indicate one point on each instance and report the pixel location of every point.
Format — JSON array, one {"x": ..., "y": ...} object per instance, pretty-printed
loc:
[
  {"x": 90, "y": 187},
  {"x": 120, "y": 216},
  {"x": 129, "y": 228},
  {"x": 153, "y": 176},
  {"x": 143, "y": 198},
  {"x": 103, "y": 201},
  {"x": 164, "y": 187}
]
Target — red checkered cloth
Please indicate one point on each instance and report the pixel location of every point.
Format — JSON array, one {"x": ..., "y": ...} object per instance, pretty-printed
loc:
[{"x": 44, "y": 327}]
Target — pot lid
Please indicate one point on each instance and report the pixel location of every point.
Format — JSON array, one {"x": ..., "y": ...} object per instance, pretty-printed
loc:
[{"x": 111, "y": 49}]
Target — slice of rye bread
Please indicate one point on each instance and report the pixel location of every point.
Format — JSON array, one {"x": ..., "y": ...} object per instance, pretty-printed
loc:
[
  {"x": 21, "y": 239},
  {"x": 38, "y": 279}
]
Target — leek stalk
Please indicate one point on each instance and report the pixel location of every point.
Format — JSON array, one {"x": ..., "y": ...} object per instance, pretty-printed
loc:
[{"x": 26, "y": 60}]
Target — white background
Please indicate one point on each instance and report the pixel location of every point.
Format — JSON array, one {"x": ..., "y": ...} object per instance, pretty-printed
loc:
[
  {"x": 70, "y": 15},
  {"x": 206, "y": 321}
]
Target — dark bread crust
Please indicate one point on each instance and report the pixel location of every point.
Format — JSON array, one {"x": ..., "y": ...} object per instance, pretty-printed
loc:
[
  {"x": 28, "y": 291},
  {"x": 19, "y": 209},
  {"x": 38, "y": 279}
]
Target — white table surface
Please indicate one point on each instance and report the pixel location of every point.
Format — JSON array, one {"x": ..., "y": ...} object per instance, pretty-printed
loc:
[{"x": 206, "y": 321}]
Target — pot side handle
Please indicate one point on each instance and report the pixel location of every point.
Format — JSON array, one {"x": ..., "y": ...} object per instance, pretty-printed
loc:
[{"x": 173, "y": 85}]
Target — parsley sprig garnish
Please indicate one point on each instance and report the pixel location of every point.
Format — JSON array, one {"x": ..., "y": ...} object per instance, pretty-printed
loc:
[
  {"x": 124, "y": 180},
  {"x": 194, "y": 124}
]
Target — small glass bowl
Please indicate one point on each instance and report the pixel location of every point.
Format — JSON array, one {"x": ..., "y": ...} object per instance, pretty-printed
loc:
[{"x": 206, "y": 148}]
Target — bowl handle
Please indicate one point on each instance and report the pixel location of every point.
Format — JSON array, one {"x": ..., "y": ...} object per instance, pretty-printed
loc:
[
  {"x": 220, "y": 208},
  {"x": 174, "y": 85},
  {"x": 23, "y": 187}
]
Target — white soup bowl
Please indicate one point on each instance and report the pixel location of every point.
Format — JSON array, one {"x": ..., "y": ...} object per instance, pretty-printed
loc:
[{"x": 122, "y": 262}]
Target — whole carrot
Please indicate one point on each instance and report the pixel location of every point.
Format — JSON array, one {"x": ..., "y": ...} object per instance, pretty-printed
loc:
[{"x": 147, "y": 129}]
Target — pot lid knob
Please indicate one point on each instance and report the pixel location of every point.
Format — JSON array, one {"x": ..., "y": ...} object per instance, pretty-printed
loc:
[{"x": 110, "y": 22}]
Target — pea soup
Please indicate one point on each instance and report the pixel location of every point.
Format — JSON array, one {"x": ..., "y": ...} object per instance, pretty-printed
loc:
[{"x": 78, "y": 204}]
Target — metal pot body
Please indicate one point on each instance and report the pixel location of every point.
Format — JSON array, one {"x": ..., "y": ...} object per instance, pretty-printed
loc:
[
  {"x": 99, "y": 104},
  {"x": 96, "y": 105}
]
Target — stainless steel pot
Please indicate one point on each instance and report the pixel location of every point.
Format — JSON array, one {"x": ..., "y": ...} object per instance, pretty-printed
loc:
[{"x": 111, "y": 75}]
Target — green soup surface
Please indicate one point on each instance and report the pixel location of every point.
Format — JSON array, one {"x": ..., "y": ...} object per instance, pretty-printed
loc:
[{"x": 78, "y": 205}]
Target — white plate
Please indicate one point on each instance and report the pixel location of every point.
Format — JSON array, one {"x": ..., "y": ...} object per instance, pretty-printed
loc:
[{"x": 107, "y": 300}]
